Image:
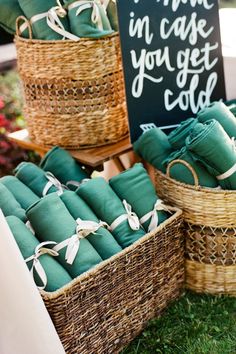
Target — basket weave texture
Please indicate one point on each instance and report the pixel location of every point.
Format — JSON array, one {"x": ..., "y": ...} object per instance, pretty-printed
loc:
[
  {"x": 73, "y": 91},
  {"x": 102, "y": 310},
  {"x": 210, "y": 233}
]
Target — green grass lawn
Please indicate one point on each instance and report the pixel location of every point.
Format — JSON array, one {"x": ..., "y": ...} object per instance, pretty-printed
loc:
[{"x": 196, "y": 324}]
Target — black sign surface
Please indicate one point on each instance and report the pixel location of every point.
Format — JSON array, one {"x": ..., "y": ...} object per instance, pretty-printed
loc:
[{"x": 172, "y": 60}]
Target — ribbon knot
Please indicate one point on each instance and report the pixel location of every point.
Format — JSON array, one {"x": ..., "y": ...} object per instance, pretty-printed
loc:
[
  {"x": 36, "y": 265},
  {"x": 132, "y": 218},
  {"x": 153, "y": 215},
  {"x": 53, "y": 182},
  {"x": 82, "y": 5},
  {"x": 72, "y": 244}
]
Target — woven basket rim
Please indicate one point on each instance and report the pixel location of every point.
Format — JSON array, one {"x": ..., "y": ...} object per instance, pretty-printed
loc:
[
  {"x": 65, "y": 41},
  {"x": 207, "y": 190},
  {"x": 55, "y": 294}
]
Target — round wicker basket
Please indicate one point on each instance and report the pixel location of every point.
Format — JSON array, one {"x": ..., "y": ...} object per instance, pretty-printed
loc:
[
  {"x": 210, "y": 232},
  {"x": 73, "y": 90}
]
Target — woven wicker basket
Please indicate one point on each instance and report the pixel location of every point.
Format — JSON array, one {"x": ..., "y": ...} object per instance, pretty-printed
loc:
[
  {"x": 73, "y": 90},
  {"x": 104, "y": 309},
  {"x": 210, "y": 232}
]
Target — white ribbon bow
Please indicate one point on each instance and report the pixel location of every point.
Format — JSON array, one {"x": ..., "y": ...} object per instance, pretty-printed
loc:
[
  {"x": 53, "y": 21},
  {"x": 96, "y": 17},
  {"x": 83, "y": 229},
  {"x": 37, "y": 266},
  {"x": 153, "y": 215},
  {"x": 130, "y": 216},
  {"x": 77, "y": 184},
  {"x": 53, "y": 182}
]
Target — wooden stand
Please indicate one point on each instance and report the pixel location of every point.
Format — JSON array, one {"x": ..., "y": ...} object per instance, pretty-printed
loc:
[{"x": 92, "y": 158}]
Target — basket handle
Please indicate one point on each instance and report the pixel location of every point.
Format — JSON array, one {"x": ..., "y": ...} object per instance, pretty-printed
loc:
[
  {"x": 28, "y": 25},
  {"x": 186, "y": 164}
]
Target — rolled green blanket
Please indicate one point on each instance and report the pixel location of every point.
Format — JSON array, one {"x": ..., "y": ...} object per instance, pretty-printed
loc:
[
  {"x": 9, "y": 12},
  {"x": 88, "y": 19},
  {"x": 47, "y": 273},
  {"x": 232, "y": 106},
  {"x": 220, "y": 112},
  {"x": 43, "y": 14},
  {"x": 215, "y": 150},
  {"x": 153, "y": 146},
  {"x": 135, "y": 186},
  {"x": 182, "y": 173},
  {"x": 52, "y": 221},
  {"x": 9, "y": 205},
  {"x": 101, "y": 239},
  {"x": 108, "y": 207},
  {"x": 21, "y": 192},
  {"x": 39, "y": 181},
  {"x": 177, "y": 136},
  {"x": 63, "y": 166}
]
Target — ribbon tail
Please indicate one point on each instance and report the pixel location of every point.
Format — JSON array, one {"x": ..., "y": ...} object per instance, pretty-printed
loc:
[
  {"x": 72, "y": 251},
  {"x": 41, "y": 273},
  {"x": 154, "y": 222}
]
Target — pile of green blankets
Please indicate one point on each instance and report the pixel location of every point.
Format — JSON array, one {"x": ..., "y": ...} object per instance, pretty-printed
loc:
[
  {"x": 64, "y": 232},
  {"x": 54, "y": 20},
  {"x": 206, "y": 143}
]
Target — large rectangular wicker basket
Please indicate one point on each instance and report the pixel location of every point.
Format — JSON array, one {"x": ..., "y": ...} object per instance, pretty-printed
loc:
[
  {"x": 73, "y": 90},
  {"x": 104, "y": 309},
  {"x": 210, "y": 233}
]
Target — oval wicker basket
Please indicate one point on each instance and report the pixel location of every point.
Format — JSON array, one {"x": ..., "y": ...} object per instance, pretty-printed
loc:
[
  {"x": 210, "y": 232},
  {"x": 73, "y": 90}
]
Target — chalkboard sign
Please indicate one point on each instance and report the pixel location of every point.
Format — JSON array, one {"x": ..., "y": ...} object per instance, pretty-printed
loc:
[{"x": 172, "y": 60}]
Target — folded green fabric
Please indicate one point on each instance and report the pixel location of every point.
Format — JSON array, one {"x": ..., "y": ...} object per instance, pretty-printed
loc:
[
  {"x": 88, "y": 19},
  {"x": 220, "y": 112},
  {"x": 40, "y": 28},
  {"x": 182, "y": 174},
  {"x": 112, "y": 15},
  {"x": 36, "y": 179},
  {"x": 9, "y": 205},
  {"x": 215, "y": 150},
  {"x": 21, "y": 192},
  {"x": 101, "y": 239},
  {"x": 56, "y": 275},
  {"x": 177, "y": 136},
  {"x": 10, "y": 11},
  {"x": 63, "y": 166},
  {"x": 232, "y": 106},
  {"x": 135, "y": 186},
  {"x": 153, "y": 146},
  {"x": 108, "y": 207},
  {"x": 52, "y": 221}
]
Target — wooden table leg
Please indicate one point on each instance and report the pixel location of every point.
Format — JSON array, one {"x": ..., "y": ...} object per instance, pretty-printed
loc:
[{"x": 119, "y": 164}]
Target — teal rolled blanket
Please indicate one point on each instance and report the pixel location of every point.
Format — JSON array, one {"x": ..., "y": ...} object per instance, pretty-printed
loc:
[
  {"x": 220, "y": 112},
  {"x": 42, "y": 12},
  {"x": 153, "y": 146},
  {"x": 21, "y": 192},
  {"x": 108, "y": 207},
  {"x": 177, "y": 136},
  {"x": 9, "y": 205},
  {"x": 88, "y": 19},
  {"x": 48, "y": 274},
  {"x": 215, "y": 150},
  {"x": 63, "y": 166},
  {"x": 182, "y": 173},
  {"x": 52, "y": 221},
  {"x": 9, "y": 12},
  {"x": 135, "y": 186},
  {"x": 39, "y": 181},
  {"x": 101, "y": 239}
]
